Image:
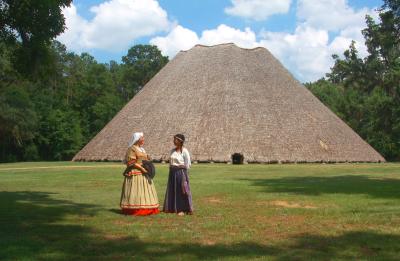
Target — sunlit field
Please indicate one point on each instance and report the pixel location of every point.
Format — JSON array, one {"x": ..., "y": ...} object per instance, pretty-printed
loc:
[{"x": 70, "y": 211}]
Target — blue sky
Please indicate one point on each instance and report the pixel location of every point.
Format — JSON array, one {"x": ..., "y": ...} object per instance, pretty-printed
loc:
[{"x": 302, "y": 34}]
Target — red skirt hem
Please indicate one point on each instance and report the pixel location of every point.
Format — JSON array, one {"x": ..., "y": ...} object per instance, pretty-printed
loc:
[{"x": 140, "y": 211}]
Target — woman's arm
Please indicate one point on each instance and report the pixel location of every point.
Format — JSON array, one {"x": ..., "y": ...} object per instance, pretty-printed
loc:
[
  {"x": 132, "y": 162},
  {"x": 140, "y": 167},
  {"x": 186, "y": 158}
]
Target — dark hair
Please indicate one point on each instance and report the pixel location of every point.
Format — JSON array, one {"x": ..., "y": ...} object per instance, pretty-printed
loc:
[{"x": 180, "y": 137}]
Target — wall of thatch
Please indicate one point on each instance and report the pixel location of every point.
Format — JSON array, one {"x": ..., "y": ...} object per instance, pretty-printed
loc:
[{"x": 228, "y": 100}]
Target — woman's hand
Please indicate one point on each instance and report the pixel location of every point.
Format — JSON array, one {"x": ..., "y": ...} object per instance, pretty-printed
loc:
[{"x": 140, "y": 167}]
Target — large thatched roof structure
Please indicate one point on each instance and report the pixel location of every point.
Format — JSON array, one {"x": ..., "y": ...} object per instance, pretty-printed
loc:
[{"x": 228, "y": 100}]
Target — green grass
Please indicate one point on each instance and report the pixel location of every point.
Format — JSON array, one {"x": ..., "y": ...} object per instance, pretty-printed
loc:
[{"x": 265, "y": 212}]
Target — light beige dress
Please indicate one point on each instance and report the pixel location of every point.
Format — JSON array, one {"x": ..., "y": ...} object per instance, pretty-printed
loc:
[{"x": 138, "y": 192}]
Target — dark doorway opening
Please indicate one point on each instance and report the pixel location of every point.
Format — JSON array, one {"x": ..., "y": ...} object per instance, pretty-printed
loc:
[{"x": 237, "y": 158}]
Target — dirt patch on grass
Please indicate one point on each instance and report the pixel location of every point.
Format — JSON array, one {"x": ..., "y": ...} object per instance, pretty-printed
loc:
[
  {"x": 292, "y": 220},
  {"x": 369, "y": 251},
  {"x": 214, "y": 200},
  {"x": 84, "y": 218},
  {"x": 208, "y": 242},
  {"x": 98, "y": 184},
  {"x": 282, "y": 227},
  {"x": 114, "y": 237},
  {"x": 286, "y": 204},
  {"x": 120, "y": 222}
]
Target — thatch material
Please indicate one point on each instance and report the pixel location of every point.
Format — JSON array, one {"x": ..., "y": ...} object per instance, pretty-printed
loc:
[{"x": 228, "y": 100}]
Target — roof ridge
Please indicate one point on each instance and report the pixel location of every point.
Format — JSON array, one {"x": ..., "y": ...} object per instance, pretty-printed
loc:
[{"x": 230, "y": 43}]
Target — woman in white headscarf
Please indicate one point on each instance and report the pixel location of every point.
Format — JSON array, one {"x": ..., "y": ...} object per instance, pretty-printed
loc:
[{"x": 139, "y": 196}]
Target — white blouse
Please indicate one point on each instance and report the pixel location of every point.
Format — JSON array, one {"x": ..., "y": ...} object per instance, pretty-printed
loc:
[{"x": 180, "y": 158}]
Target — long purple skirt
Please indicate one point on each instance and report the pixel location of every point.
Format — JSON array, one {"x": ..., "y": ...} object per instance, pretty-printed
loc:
[{"x": 178, "y": 197}]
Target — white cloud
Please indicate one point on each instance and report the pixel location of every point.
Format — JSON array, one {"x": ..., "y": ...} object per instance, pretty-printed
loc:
[
  {"x": 116, "y": 24},
  {"x": 330, "y": 15},
  {"x": 346, "y": 36},
  {"x": 181, "y": 38},
  {"x": 72, "y": 36},
  {"x": 258, "y": 9},
  {"x": 305, "y": 52},
  {"x": 227, "y": 34},
  {"x": 178, "y": 39}
]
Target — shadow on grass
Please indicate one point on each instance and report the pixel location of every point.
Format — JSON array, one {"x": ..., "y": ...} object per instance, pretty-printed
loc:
[
  {"x": 353, "y": 245},
  {"x": 33, "y": 223},
  {"x": 347, "y": 184},
  {"x": 36, "y": 226},
  {"x": 116, "y": 211}
]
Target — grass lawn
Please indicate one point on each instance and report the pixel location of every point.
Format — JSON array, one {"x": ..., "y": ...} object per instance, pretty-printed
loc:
[{"x": 70, "y": 211}]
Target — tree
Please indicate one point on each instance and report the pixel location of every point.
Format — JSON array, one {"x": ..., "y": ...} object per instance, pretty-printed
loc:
[
  {"x": 140, "y": 65},
  {"x": 34, "y": 24},
  {"x": 18, "y": 123},
  {"x": 51, "y": 106},
  {"x": 61, "y": 134}
]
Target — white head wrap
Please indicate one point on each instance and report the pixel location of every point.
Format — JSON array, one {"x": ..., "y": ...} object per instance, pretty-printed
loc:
[{"x": 135, "y": 137}]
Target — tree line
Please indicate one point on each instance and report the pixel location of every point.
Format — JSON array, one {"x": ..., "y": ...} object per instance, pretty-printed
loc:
[
  {"x": 53, "y": 101},
  {"x": 365, "y": 92}
]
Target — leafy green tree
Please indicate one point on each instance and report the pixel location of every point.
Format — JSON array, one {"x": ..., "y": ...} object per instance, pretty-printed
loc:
[
  {"x": 140, "y": 65},
  {"x": 34, "y": 24},
  {"x": 329, "y": 94},
  {"x": 382, "y": 124},
  {"x": 18, "y": 123},
  {"x": 7, "y": 72},
  {"x": 104, "y": 110},
  {"x": 61, "y": 135}
]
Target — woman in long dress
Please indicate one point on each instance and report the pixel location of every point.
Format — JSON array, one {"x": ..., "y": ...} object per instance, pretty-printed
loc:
[
  {"x": 178, "y": 197},
  {"x": 139, "y": 196}
]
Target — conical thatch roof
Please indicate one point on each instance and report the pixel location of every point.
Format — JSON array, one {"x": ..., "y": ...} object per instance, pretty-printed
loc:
[{"x": 227, "y": 100}]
